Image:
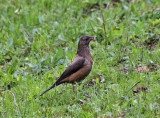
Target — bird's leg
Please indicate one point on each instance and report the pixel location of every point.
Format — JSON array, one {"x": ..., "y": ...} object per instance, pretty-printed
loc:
[{"x": 73, "y": 88}]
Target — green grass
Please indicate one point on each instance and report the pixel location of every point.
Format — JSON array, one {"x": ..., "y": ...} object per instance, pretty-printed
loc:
[{"x": 38, "y": 39}]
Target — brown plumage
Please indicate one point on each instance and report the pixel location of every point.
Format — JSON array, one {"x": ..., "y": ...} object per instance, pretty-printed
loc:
[{"x": 80, "y": 67}]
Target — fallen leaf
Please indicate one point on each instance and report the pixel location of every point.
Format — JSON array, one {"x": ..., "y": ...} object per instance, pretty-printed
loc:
[{"x": 144, "y": 68}]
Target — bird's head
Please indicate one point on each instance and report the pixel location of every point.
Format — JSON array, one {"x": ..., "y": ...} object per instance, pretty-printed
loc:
[{"x": 85, "y": 40}]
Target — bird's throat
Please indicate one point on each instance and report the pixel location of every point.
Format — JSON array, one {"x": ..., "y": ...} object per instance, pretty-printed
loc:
[{"x": 83, "y": 50}]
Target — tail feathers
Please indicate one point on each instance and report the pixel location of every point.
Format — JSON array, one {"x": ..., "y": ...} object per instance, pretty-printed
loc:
[{"x": 49, "y": 89}]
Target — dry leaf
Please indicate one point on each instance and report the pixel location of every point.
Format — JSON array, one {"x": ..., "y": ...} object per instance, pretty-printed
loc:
[
  {"x": 144, "y": 68},
  {"x": 140, "y": 88}
]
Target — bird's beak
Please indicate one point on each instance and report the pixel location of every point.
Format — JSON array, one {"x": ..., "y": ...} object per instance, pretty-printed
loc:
[{"x": 93, "y": 37}]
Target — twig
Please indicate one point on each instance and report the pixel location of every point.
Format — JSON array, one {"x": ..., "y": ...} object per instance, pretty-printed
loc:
[
  {"x": 2, "y": 107},
  {"x": 14, "y": 97},
  {"x": 103, "y": 24},
  {"x": 92, "y": 28},
  {"x": 142, "y": 54}
]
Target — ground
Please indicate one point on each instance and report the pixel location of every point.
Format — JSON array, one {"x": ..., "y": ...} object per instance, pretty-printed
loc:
[{"x": 38, "y": 39}]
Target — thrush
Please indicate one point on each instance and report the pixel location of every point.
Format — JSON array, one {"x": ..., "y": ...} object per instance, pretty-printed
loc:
[{"x": 80, "y": 66}]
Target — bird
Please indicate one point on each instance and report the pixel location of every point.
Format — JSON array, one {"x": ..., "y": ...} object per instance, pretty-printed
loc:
[{"x": 80, "y": 67}]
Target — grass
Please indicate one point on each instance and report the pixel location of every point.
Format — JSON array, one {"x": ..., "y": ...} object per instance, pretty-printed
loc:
[{"x": 38, "y": 39}]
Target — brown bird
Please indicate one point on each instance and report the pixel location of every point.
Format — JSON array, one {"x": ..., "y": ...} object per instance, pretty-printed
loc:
[{"x": 80, "y": 67}]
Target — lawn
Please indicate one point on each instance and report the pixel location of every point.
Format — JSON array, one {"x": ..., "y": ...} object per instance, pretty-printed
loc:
[{"x": 39, "y": 38}]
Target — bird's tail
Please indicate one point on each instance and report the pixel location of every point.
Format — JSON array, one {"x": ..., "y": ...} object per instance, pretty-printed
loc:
[
  {"x": 49, "y": 88},
  {"x": 54, "y": 85}
]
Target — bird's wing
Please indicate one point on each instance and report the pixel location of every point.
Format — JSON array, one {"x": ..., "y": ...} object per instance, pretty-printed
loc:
[{"x": 72, "y": 68}]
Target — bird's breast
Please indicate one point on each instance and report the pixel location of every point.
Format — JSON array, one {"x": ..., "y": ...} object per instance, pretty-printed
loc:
[{"x": 89, "y": 59}]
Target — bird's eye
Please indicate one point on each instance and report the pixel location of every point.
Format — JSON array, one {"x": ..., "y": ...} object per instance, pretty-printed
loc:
[{"x": 87, "y": 39}]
